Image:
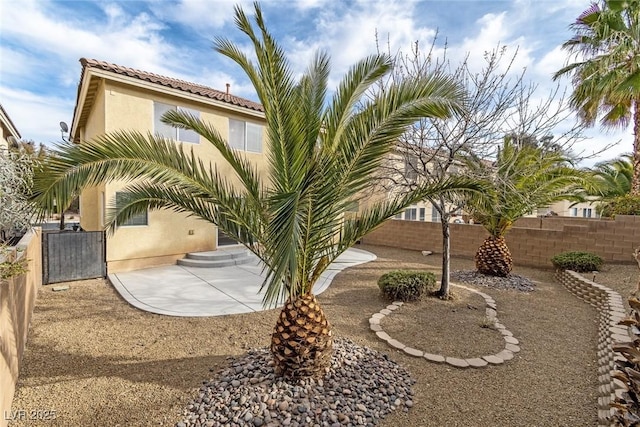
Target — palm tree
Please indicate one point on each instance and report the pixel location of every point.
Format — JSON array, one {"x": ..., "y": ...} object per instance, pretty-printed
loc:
[
  {"x": 321, "y": 156},
  {"x": 606, "y": 74},
  {"x": 612, "y": 178},
  {"x": 522, "y": 178}
]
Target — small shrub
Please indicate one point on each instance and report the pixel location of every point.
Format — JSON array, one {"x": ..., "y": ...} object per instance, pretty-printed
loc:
[
  {"x": 402, "y": 285},
  {"x": 624, "y": 205},
  {"x": 577, "y": 261}
]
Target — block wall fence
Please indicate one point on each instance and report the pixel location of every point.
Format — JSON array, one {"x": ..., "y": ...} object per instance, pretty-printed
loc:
[
  {"x": 532, "y": 241},
  {"x": 17, "y": 300}
]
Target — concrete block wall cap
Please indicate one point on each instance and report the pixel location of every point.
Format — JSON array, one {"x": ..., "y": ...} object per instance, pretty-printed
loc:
[
  {"x": 375, "y": 327},
  {"x": 618, "y": 338},
  {"x": 377, "y": 316},
  {"x": 385, "y": 311},
  {"x": 392, "y": 307}
]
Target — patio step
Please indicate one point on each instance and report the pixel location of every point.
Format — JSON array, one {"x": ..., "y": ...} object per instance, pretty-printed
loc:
[{"x": 217, "y": 259}]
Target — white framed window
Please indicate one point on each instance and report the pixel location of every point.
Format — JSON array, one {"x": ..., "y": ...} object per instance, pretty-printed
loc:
[
  {"x": 574, "y": 211},
  {"x": 410, "y": 214},
  {"x": 245, "y": 136},
  {"x": 435, "y": 215},
  {"x": 139, "y": 219},
  {"x": 586, "y": 213},
  {"x": 160, "y": 128},
  {"x": 422, "y": 214}
]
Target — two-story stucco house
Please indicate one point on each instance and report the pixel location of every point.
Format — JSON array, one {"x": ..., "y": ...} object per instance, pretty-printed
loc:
[{"x": 110, "y": 98}]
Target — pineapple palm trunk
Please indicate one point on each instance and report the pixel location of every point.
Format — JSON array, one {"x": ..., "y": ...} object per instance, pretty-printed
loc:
[
  {"x": 301, "y": 343},
  {"x": 493, "y": 258}
]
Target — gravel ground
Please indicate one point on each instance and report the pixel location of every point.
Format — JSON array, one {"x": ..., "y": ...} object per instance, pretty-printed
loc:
[{"x": 95, "y": 360}]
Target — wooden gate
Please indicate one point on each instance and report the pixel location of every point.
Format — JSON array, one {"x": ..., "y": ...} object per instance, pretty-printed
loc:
[{"x": 72, "y": 255}]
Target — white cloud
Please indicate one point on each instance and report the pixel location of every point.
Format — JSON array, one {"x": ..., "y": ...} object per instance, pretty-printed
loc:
[
  {"x": 349, "y": 34},
  {"x": 36, "y": 117},
  {"x": 202, "y": 15},
  {"x": 551, "y": 62},
  {"x": 124, "y": 39}
]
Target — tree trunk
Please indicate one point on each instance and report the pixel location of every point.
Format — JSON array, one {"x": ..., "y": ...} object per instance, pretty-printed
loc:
[
  {"x": 62, "y": 221},
  {"x": 446, "y": 257},
  {"x": 301, "y": 342},
  {"x": 635, "y": 182},
  {"x": 493, "y": 258}
]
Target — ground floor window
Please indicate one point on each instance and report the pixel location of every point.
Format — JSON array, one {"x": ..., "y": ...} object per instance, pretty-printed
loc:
[{"x": 139, "y": 219}]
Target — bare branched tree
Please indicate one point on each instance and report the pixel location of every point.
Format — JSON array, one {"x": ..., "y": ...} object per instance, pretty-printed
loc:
[{"x": 500, "y": 104}]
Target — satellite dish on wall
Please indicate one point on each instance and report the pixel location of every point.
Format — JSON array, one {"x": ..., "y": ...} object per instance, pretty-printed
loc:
[{"x": 63, "y": 129}]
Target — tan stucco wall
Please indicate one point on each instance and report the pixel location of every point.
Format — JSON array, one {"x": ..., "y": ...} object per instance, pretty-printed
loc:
[
  {"x": 17, "y": 300},
  {"x": 168, "y": 235}
]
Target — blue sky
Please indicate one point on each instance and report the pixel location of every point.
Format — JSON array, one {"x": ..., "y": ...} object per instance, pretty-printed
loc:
[{"x": 42, "y": 41}]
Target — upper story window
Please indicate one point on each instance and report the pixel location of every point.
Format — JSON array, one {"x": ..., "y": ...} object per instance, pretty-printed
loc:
[
  {"x": 245, "y": 136},
  {"x": 169, "y": 131}
]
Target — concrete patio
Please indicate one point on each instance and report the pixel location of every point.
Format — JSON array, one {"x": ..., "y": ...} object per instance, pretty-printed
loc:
[{"x": 176, "y": 290}]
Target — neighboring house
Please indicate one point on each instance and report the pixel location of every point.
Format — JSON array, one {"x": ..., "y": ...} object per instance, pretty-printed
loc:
[
  {"x": 112, "y": 97},
  {"x": 580, "y": 210},
  {"x": 401, "y": 171},
  {"x": 8, "y": 129}
]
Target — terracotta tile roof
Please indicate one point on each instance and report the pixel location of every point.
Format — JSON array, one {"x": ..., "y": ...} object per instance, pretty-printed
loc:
[{"x": 185, "y": 86}]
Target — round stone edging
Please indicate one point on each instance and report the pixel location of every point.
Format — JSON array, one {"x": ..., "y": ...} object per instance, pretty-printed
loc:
[{"x": 511, "y": 343}]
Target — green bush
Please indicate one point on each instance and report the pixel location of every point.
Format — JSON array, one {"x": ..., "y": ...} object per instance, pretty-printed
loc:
[
  {"x": 577, "y": 261},
  {"x": 624, "y": 205},
  {"x": 403, "y": 285}
]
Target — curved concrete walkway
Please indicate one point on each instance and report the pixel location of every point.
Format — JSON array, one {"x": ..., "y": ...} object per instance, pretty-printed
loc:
[{"x": 176, "y": 290}]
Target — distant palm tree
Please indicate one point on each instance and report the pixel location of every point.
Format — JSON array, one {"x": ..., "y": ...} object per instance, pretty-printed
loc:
[
  {"x": 612, "y": 178},
  {"x": 606, "y": 74},
  {"x": 321, "y": 157},
  {"x": 522, "y": 179}
]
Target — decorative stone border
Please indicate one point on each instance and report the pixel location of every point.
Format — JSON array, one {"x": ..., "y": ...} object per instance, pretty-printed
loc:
[
  {"x": 611, "y": 310},
  {"x": 511, "y": 343}
]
